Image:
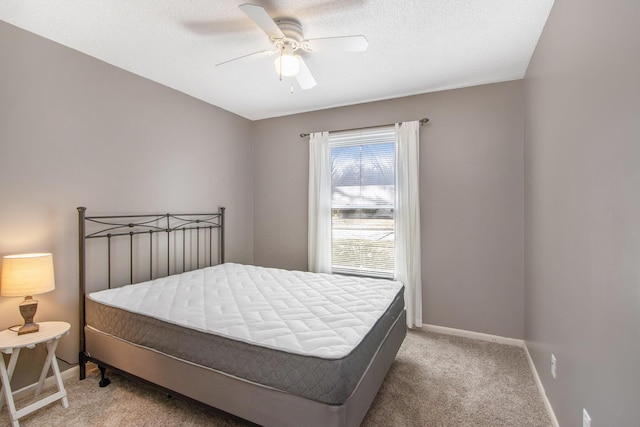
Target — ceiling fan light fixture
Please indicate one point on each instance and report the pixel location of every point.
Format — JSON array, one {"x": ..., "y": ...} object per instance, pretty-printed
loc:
[
  {"x": 287, "y": 37},
  {"x": 287, "y": 65}
]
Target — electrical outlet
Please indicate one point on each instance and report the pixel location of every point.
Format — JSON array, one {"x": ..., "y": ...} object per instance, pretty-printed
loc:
[
  {"x": 586, "y": 419},
  {"x": 553, "y": 366}
]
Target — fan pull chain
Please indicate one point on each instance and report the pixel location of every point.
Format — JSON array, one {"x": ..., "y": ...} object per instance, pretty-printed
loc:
[{"x": 281, "y": 52}]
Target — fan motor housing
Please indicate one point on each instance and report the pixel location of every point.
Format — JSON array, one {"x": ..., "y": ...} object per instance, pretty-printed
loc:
[{"x": 291, "y": 28}]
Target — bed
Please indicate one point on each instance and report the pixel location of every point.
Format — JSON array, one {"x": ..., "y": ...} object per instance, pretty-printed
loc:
[{"x": 274, "y": 347}]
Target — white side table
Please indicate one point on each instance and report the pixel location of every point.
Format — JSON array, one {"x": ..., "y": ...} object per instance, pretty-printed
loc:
[{"x": 11, "y": 343}]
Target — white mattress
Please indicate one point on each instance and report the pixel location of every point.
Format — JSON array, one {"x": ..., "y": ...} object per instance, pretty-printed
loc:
[{"x": 298, "y": 312}]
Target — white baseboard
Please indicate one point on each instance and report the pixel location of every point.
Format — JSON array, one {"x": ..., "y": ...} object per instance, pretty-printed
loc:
[
  {"x": 543, "y": 394},
  {"x": 70, "y": 373},
  {"x": 474, "y": 335},
  {"x": 501, "y": 340},
  {"x": 49, "y": 381}
]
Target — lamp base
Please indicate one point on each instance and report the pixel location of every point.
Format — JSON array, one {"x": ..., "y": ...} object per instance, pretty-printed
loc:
[
  {"x": 28, "y": 328},
  {"x": 28, "y": 309}
]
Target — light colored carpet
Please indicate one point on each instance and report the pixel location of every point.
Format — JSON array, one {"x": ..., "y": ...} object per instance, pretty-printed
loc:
[{"x": 437, "y": 380}]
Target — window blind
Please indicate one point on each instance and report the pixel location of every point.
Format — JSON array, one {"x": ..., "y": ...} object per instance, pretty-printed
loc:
[{"x": 362, "y": 201}]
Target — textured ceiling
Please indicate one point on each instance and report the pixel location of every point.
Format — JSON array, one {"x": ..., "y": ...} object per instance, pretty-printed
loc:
[{"x": 415, "y": 46}]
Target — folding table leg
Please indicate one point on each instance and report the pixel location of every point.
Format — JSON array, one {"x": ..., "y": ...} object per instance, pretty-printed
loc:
[
  {"x": 51, "y": 347},
  {"x": 7, "y": 394},
  {"x": 51, "y": 352}
]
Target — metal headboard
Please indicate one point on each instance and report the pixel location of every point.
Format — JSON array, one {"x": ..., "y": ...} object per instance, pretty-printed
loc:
[{"x": 115, "y": 228}]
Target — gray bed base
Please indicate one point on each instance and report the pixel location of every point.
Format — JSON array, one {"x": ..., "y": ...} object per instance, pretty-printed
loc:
[{"x": 251, "y": 401}]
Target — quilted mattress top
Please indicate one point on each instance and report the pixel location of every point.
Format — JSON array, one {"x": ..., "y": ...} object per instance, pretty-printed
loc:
[{"x": 304, "y": 313}]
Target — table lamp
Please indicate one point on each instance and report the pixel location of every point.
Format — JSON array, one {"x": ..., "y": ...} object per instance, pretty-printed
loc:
[{"x": 23, "y": 276}]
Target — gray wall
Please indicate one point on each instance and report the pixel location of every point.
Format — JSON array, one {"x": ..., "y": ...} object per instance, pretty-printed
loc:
[
  {"x": 582, "y": 233},
  {"x": 75, "y": 131},
  {"x": 471, "y": 173}
]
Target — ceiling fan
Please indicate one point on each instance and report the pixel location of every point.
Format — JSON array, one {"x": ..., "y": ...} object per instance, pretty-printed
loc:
[{"x": 286, "y": 36}]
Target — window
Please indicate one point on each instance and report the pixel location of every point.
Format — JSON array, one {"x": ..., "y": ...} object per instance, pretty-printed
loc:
[
  {"x": 363, "y": 201},
  {"x": 361, "y": 220}
]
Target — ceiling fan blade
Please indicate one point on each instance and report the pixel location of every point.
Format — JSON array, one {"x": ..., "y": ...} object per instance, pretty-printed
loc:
[
  {"x": 344, "y": 44},
  {"x": 304, "y": 77},
  {"x": 262, "y": 19},
  {"x": 261, "y": 54}
]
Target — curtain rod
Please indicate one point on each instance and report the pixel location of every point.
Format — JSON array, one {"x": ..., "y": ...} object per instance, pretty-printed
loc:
[{"x": 422, "y": 121}]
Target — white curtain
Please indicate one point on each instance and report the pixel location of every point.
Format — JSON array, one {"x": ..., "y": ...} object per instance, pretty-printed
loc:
[
  {"x": 407, "y": 220},
  {"x": 319, "y": 203}
]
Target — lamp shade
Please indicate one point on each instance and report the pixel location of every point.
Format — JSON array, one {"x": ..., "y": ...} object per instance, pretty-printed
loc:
[{"x": 27, "y": 274}]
